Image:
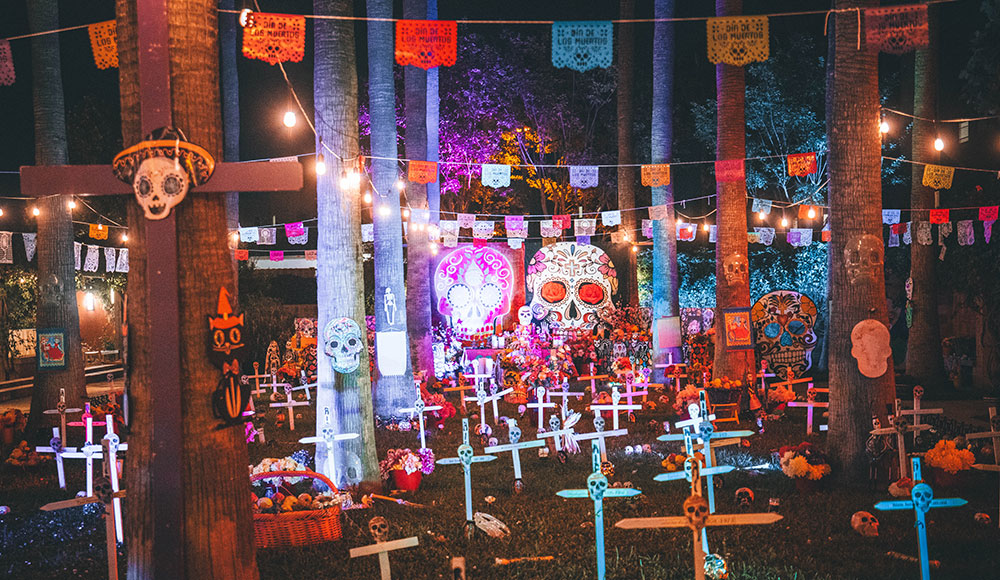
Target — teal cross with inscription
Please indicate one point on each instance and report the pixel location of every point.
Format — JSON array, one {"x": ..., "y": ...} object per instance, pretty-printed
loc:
[{"x": 466, "y": 456}]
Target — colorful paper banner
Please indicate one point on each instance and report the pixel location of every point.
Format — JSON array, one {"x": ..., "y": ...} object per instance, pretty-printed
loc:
[
  {"x": 104, "y": 43},
  {"x": 727, "y": 170},
  {"x": 585, "y": 226},
  {"x": 761, "y": 206},
  {"x": 896, "y": 29},
  {"x": 656, "y": 175},
  {"x": 890, "y": 216},
  {"x": 738, "y": 40},
  {"x": 938, "y": 176},
  {"x": 988, "y": 213},
  {"x": 611, "y": 218},
  {"x": 7, "y": 76},
  {"x": 939, "y": 216},
  {"x": 426, "y": 43},
  {"x": 423, "y": 171},
  {"x": 275, "y": 38},
  {"x": 496, "y": 175},
  {"x": 249, "y": 235},
  {"x": 801, "y": 164},
  {"x": 98, "y": 232},
  {"x": 562, "y": 221},
  {"x": 277, "y": 255},
  {"x": 465, "y": 220},
  {"x": 582, "y": 45},
  {"x": 583, "y": 176}
]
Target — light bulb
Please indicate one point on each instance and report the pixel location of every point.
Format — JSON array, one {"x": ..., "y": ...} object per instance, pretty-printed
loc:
[
  {"x": 320, "y": 164},
  {"x": 125, "y": 237},
  {"x": 679, "y": 222},
  {"x": 35, "y": 211},
  {"x": 433, "y": 248},
  {"x": 635, "y": 248},
  {"x": 71, "y": 204},
  {"x": 938, "y": 144},
  {"x": 367, "y": 197},
  {"x": 88, "y": 301},
  {"x": 626, "y": 237},
  {"x": 784, "y": 223},
  {"x": 704, "y": 227},
  {"x": 762, "y": 216},
  {"x": 406, "y": 212},
  {"x": 1, "y": 211},
  {"x": 383, "y": 210},
  {"x": 400, "y": 185},
  {"x": 883, "y": 127},
  {"x": 811, "y": 214},
  {"x": 290, "y": 119}
]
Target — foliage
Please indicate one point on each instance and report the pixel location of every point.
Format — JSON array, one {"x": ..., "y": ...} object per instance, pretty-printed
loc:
[
  {"x": 947, "y": 456},
  {"x": 803, "y": 461},
  {"x": 17, "y": 309},
  {"x": 982, "y": 71},
  {"x": 408, "y": 461}
]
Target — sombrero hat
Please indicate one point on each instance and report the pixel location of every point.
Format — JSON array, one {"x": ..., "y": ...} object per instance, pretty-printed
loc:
[{"x": 166, "y": 142}]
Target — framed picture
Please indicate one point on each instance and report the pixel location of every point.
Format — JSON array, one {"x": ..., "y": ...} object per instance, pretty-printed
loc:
[
  {"x": 739, "y": 330},
  {"x": 668, "y": 332},
  {"x": 51, "y": 348}
]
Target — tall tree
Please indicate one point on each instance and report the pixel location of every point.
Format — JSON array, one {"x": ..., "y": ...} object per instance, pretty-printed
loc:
[
  {"x": 229, "y": 53},
  {"x": 852, "y": 113},
  {"x": 433, "y": 130},
  {"x": 340, "y": 280},
  {"x": 665, "y": 274},
  {"x": 216, "y": 531},
  {"x": 393, "y": 375},
  {"x": 731, "y": 244},
  {"x": 418, "y": 255},
  {"x": 625, "y": 50},
  {"x": 56, "y": 271},
  {"x": 924, "y": 359}
]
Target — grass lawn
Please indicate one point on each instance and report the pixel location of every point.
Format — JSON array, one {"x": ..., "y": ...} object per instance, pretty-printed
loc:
[{"x": 814, "y": 540}]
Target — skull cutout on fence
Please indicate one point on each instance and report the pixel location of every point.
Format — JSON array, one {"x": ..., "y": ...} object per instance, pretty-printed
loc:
[
  {"x": 736, "y": 269},
  {"x": 343, "y": 342},
  {"x": 379, "y": 528},
  {"x": 863, "y": 258},
  {"x": 103, "y": 489},
  {"x": 865, "y": 524},
  {"x": 696, "y": 511},
  {"x": 474, "y": 288},
  {"x": 572, "y": 283}
]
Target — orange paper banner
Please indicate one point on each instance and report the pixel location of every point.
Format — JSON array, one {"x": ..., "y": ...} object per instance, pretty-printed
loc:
[
  {"x": 938, "y": 176},
  {"x": 104, "y": 43},
  {"x": 423, "y": 171},
  {"x": 801, "y": 164},
  {"x": 275, "y": 38},
  {"x": 729, "y": 170},
  {"x": 738, "y": 40},
  {"x": 426, "y": 43},
  {"x": 656, "y": 175},
  {"x": 896, "y": 29},
  {"x": 98, "y": 231}
]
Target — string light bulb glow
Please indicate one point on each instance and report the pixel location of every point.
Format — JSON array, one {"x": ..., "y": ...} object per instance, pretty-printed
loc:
[
  {"x": 383, "y": 210},
  {"x": 635, "y": 248},
  {"x": 71, "y": 204},
  {"x": 36, "y": 212},
  {"x": 406, "y": 212},
  {"x": 762, "y": 216},
  {"x": 938, "y": 144},
  {"x": 883, "y": 127},
  {"x": 400, "y": 185},
  {"x": 784, "y": 222},
  {"x": 811, "y": 214},
  {"x": 1, "y": 211},
  {"x": 289, "y": 119},
  {"x": 320, "y": 164},
  {"x": 704, "y": 227},
  {"x": 433, "y": 248},
  {"x": 89, "y": 302},
  {"x": 367, "y": 197},
  {"x": 125, "y": 237}
]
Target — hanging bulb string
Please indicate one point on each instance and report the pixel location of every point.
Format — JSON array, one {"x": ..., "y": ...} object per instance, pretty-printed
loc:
[{"x": 961, "y": 120}]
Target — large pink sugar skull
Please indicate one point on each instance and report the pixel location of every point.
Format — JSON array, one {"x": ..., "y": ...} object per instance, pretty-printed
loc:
[
  {"x": 572, "y": 282},
  {"x": 473, "y": 287}
]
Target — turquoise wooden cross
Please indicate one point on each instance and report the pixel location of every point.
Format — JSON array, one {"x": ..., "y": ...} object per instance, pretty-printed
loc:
[
  {"x": 515, "y": 446},
  {"x": 597, "y": 490},
  {"x": 921, "y": 501},
  {"x": 466, "y": 457}
]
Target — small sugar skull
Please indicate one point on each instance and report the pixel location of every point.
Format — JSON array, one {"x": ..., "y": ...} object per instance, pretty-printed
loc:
[
  {"x": 863, "y": 258},
  {"x": 696, "y": 511},
  {"x": 597, "y": 484},
  {"x": 598, "y": 423},
  {"x": 744, "y": 496},
  {"x": 379, "y": 528},
  {"x": 865, "y": 524},
  {"x": 607, "y": 469},
  {"x": 474, "y": 286},
  {"x": 918, "y": 392},
  {"x": 736, "y": 269},
  {"x": 465, "y": 454},
  {"x": 922, "y": 495},
  {"x": 103, "y": 489},
  {"x": 524, "y": 315},
  {"x": 343, "y": 342}
]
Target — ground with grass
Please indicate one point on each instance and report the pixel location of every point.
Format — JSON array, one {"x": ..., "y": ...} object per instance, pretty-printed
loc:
[{"x": 814, "y": 540}]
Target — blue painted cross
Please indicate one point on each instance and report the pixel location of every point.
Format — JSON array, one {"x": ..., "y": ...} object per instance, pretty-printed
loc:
[
  {"x": 921, "y": 501},
  {"x": 597, "y": 490},
  {"x": 466, "y": 456}
]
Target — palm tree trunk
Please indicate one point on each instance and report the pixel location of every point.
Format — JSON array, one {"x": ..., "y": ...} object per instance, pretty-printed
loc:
[
  {"x": 665, "y": 275},
  {"x": 217, "y": 530},
  {"x": 433, "y": 130},
  {"x": 229, "y": 54},
  {"x": 625, "y": 48},
  {"x": 730, "y": 87},
  {"x": 852, "y": 114},
  {"x": 56, "y": 306},
  {"x": 924, "y": 360},
  {"x": 392, "y": 391}
]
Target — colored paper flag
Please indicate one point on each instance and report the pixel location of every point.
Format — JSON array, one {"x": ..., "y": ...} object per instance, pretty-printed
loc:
[
  {"x": 611, "y": 218},
  {"x": 801, "y": 164},
  {"x": 426, "y": 43},
  {"x": 104, "y": 43},
  {"x": 496, "y": 175},
  {"x": 656, "y": 175},
  {"x": 422, "y": 171},
  {"x": 275, "y": 38},
  {"x": 738, "y": 40},
  {"x": 582, "y": 45},
  {"x": 583, "y": 176}
]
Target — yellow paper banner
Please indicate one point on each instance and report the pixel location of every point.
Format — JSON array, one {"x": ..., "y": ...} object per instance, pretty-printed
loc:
[
  {"x": 104, "y": 43},
  {"x": 98, "y": 231},
  {"x": 656, "y": 175},
  {"x": 738, "y": 40},
  {"x": 938, "y": 176}
]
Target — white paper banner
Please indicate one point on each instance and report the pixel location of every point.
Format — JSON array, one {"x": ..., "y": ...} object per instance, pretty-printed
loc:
[
  {"x": 29, "y": 245},
  {"x": 109, "y": 259},
  {"x": 483, "y": 230},
  {"x": 514, "y": 243},
  {"x": 890, "y": 216},
  {"x": 583, "y": 176},
  {"x": 766, "y": 235},
  {"x": 77, "y": 246},
  {"x": 496, "y": 175},
  {"x": 966, "y": 235},
  {"x": 611, "y": 218},
  {"x": 249, "y": 235},
  {"x": 267, "y": 236},
  {"x": 122, "y": 265},
  {"x": 93, "y": 258},
  {"x": 367, "y": 232},
  {"x": 585, "y": 226}
]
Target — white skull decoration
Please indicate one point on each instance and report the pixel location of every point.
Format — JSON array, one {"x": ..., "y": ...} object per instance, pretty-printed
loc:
[
  {"x": 524, "y": 315},
  {"x": 465, "y": 454},
  {"x": 379, "y": 528},
  {"x": 870, "y": 346},
  {"x": 922, "y": 495},
  {"x": 736, "y": 269},
  {"x": 159, "y": 185},
  {"x": 865, "y": 524},
  {"x": 597, "y": 484},
  {"x": 572, "y": 283},
  {"x": 598, "y": 423},
  {"x": 863, "y": 258},
  {"x": 343, "y": 342},
  {"x": 784, "y": 328},
  {"x": 474, "y": 287},
  {"x": 696, "y": 511}
]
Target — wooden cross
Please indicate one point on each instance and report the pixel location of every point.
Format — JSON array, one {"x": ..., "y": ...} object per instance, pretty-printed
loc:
[
  {"x": 615, "y": 407},
  {"x": 564, "y": 394},
  {"x": 921, "y": 501},
  {"x": 597, "y": 490},
  {"x": 495, "y": 396},
  {"x": 61, "y": 410},
  {"x": 328, "y": 437},
  {"x": 541, "y": 404},
  {"x": 466, "y": 457},
  {"x": 697, "y": 413},
  {"x": 593, "y": 378},
  {"x": 555, "y": 432},
  {"x": 791, "y": 380},
  {"x": 382, "y": 549},
  {"x": 289, "y": 403},
  {"x": 482, "y": 398},
  {"x": 481, "y": 371},
  {"x": 90, "y": 451},
  {"x": 112, "y": 518},
  {"x": 810, "y": 403},
  {"x": 994, "y": 434},
  {"x": 900, "y": 428},
  {"x": 600, "y": 435},
  {"x": 274, "y": 384},
  {"x": 256, "y": 376},
  {"x": 56, "y": 447},
  {"x": 916, "y": 412},
  {"x": 704, "y": 435},
  {"x": 304, "y": 386},
  {"x": 461, "y": 393},
  {"x": 630, "y": 394},
  {"x": 419, "y": 407},
  {"x": 515, "y": 446}
]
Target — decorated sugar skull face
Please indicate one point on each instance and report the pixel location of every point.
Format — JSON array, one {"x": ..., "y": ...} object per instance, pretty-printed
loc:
[
  {"x": 922, "y": 495},
  {"x": 343, "y": 342},
  {"x": 379, "y": 528},
  {"x": 474, "y": 286},
  {"x": 784, "y": 327},
  {"x": 736, "y": 269},
  {"x": 465, "y": 454},
  {"x": 918, "y": 392},
  {"x": 524, "y": 315},
  {"x": 744, "y": 496},
  {"x": 597, "y": 484},
  {"x": 159, "y": 185},
  {"x": 572, "y": 283},
  {"x": 865, "y": 524},
  {"x": 696, "y": 511},
  {"x": 863, "y": 258},
  {"x": 870, "y": 346}
]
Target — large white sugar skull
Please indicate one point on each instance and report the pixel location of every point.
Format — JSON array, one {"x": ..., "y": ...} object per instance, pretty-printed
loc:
[
  {"x": 343, "y": 342},
  {"x": 524, "y": 315},
  {"x": 863, "y": 258},
  {"x": 159, "y": 185},
  {"x": 474, "y": 286},
  {"x": 865, "y": 524},
  {"x": 696, "y": 511},
  {"x": 736, "y": 269},
  {"x": 870, "y": 346},
  {"x": 572, "y": 283},
  {"x": 922, "y": 495},
  {"x": 597, "y": 484},
  {"x": 379, "y": 528},
  {"x": 784, "y": 326}
]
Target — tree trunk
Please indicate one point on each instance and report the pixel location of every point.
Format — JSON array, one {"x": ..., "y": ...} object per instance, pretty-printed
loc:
[
  {"x": 625, "y": 49},
  {"x": 339, "y": 279},
  {"x": 665, "y": 275},
  {"x": 56, "y": 307},
  {"x": 393, "y": 377},
  {"x": 731, "y": 242},
  {"x": 924, "y": 359},
  {"x": 229, "y": 55},
  {"x": 418, "y": 255},
  {"x": 217, "y": 530},
  {"x": 852, "y": 116},
  {"x": 433, "y": 130}
]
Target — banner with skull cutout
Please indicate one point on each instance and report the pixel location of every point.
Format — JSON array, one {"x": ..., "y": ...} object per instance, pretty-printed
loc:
[
  {"x": 784, "y": 325},
  {"x": 478, "y": 291},
  {"x": 161, "y": 169},
  {"x": 570, "y": 284}
]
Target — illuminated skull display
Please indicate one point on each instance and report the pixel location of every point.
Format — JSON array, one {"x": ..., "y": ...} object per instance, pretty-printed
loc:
[
  {"x": 784, "y": 326},
  {"x": 736, "y": 269},
  {"x": 572, "y": 283},
  {"x": 922, "y": 495},
  {"x": 343, "y": 341},
  {"x": 474, "y": 287},
  {"x": 864, "y": 258}
]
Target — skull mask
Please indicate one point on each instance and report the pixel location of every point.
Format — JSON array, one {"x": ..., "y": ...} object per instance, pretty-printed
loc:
[
  {"x": 736, "y": 269},
  {"x": 744, "y": 496},
  {"x": 598, "y": 423},
  {"x": 870, "y": 346},
  {"x": 379, "y": 528},
  {"x": 863, "y": 258},
  {"x": 572, "y": 283},
  {"x": 159, "y": 185},
  {"x": 103, "y": 489},
  {"x": 784, "y": 326},
  {"x": 696, "y": 512},
  {"x": 865, "y": 524},
  {"x": 474, "y": 286},
  {"x": 343, "y": 343},
  {"x": 918, "y": 392},
  {"x": 597, "y": 484},
  {"x": 465, "y": 454},
  {"x": 922, "y": 495}
]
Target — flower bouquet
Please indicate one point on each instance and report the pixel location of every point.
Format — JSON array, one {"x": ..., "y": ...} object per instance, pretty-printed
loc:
[
  {"x": 684, "y": 398},
  {"x": 946, "y": 460},
  {"x": 723, "y": 390},
  {"x": 13, "y": 422},
  {"x": 406, "y": 467},
  {"x": 804, "y": 463}
]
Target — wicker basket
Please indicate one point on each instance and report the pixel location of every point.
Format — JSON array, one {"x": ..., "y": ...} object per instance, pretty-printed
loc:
[{"x": 302, "y": 528}]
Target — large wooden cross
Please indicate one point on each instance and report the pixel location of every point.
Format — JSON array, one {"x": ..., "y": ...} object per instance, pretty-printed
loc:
[
  {"x": 994, "y": 434},
  {"x": 466, "y": 457},
  {"x": 515, "y": 446},
  {"x": 167, "y": 487}
]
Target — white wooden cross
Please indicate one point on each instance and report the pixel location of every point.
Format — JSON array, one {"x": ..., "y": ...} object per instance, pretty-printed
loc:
[
  {"x": 112, "y": 518},
  {"x": 555, "y": 432},
  {"x": 304, "y": 386},
  {"x": 810, "y": 403},
  {"x": 482, "y": 368},
  {"x": 495, "y": 396},
  {"x": 61, "y": 410},
  {"x": 921, "y": 501},
  {"x": 466, "y": 457},
  {"x": 56, "y": 447},
  {"x": 994, "y": 434},
  {"x": 916, "y": 412},
  {"x": 900, "y": 428},
  {"x": 515, "y": 446},
  {"x": 328, "y": 437},
  {"x": 274, "y": 384},
  {"x": 257, "y": 376},
  {"x": 600, "y": 435},
  {"x": 289, "y": 403},
  {"x": 615, "y": 407},
  {"x": 382, "y": 548},
  {"x": 541, "y": 404},
  {"x": 482, "y": 398},
  {"x": 419, "y": 407},
  {"x": 593, "y": 378},
  {"x": 564, "y": 394},
  {"x": 90, "y": 451}
]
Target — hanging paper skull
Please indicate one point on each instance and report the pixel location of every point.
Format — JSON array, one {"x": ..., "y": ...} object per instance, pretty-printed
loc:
[
  {"x": 343, "y": 343},
  {"x": 573, "y": 283},
  {"x": 474, "y": 287},
  {"x": 161, "y": 169},
  {"x": 863, "y": 258},
  {"x": 865, "y": 524},
  {"x": 870, "y": 346},
  {"x": 784, "y": 327},
  {"x": 736, "y": 269}
]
